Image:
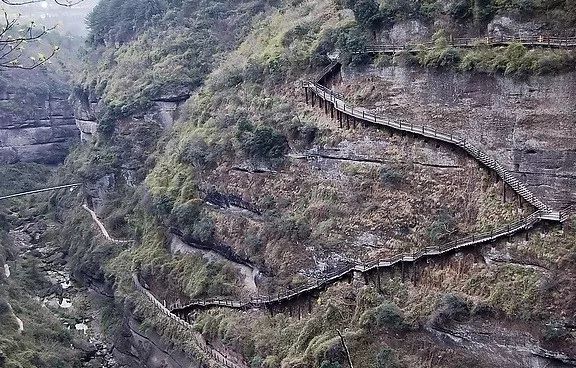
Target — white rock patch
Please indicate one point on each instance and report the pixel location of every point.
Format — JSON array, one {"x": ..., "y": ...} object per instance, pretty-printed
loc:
[
  {"x": 81, "y": 327},
  {"x": 65, "y": 303},
  {"x": 7, "y": 270}
]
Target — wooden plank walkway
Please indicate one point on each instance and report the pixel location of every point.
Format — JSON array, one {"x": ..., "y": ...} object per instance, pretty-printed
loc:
[
  {"x": 462, "y": 42},
  {"x": 180, "y": 313},
  {"x": 339, "y": 274},
  {"x": 336, "y": 103},
  {"x": 208, "y": 355}
]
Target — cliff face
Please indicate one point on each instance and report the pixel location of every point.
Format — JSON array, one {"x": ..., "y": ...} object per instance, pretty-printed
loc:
[
  {"x": 36, "y": 119},
  {"x": 526, "y": 124}
]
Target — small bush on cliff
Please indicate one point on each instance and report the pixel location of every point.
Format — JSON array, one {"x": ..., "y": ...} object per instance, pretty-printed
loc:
[
  {"x": 450, "y": 308},
  {"x": 443, "y": 225},
  {"x": 386, "y": 358},
  {"x": 198, "y": 153},
  {"x": 390, "y": 176},
  {"x": 516, "y": 59},
  {"x": 385, "y": 316},
  {"x": 327, "y": 364},
  {"x": 261, "y": 142},
  {"x": 441, "y": 55}
]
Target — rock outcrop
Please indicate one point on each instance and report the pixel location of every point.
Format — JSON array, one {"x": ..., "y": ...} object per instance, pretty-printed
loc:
[
  {"x": 36, "y": 119},
  {"x": 526, "y": 124}
]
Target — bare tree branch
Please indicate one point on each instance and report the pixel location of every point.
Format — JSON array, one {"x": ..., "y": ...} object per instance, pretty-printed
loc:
[
  {"x": 14, "y": 36},
  {"x": 67, "y": 3}
]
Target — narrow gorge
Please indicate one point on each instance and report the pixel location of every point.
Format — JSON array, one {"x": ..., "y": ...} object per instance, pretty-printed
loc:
[{"x": 288, "y": 184}]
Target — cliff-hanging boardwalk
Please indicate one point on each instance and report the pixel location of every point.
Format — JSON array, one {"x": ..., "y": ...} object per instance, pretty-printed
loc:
[
  {"x": 266, "y": 301},
  {"x": 335, "y": 105},
  {"x": 529, "y": 41},
  {"x": 208, "y": 355}
]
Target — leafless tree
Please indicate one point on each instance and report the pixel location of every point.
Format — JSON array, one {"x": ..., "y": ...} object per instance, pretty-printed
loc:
[{"x": 14, "y": 36}]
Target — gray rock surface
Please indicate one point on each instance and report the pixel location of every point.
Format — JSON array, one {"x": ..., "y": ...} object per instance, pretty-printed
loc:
[
  {"x": 36, "y": 119},
  {"x": 529, "y": 125}
]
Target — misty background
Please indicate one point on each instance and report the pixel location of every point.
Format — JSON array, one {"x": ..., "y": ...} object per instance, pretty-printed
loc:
[{"x": 70, "y": 21}]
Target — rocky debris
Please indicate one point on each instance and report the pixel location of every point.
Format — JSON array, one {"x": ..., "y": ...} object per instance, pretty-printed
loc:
[
  {"x": 507, "y": 26},
  {"x": 230, "y": 201},
  {"x": 408, "y": 31},
  {"x": 62, "y": 295},
  {"x": 497, "y": 345}
]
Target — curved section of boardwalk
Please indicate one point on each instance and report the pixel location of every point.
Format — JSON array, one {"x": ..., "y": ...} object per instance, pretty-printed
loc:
[
  {"x": 337, "y": 103},
  {"x": 103, "y": 228},
  {"x": 180, "y": 313},
  {"x": 206, "y": 354},
  {"x": 263, "y": 302},
  {"x": 73, "y": 185}
]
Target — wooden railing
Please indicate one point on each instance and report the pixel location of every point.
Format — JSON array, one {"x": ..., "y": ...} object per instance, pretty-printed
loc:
[
  {"x": 342, "y": 272},
  {"x": 339, "y": 104},
  {"x": 337, "y": 100},
  {"x": 206, "y": 354},
  {"x": 462, "y": 42}
]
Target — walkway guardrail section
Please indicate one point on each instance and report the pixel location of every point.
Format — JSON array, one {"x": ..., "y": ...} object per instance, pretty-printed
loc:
[
  {"x": 217, "y": 357},
  {"x": 465, "y": 42},
  {"x": 360, "y": 113},
  {"x": 341, "y": 272}
]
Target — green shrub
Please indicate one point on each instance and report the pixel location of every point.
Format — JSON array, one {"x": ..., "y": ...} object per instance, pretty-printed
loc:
[
  {"x": 199, "y": 154},
  {"x": 450, "y": 308},
  {"x": 203, "y": 230},
  {"x": 352, "y": 42},
  {"x": 443, "y": 225},
  {"x": 385, "y": 316},
  {"x": 441, "y": 54},
  {"x": 327, "y": 364},
  {"x": 390, "y": 177},
  {"x": 262, "y": 142},
  {"x": 368, "y": 13},
  {"x": 515, "y": 59},
  {"x": 256, "y": 362},
  {"x": 386, "y": 358}
]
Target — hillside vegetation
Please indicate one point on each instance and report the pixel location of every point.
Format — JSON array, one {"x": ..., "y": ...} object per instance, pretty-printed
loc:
[{"x": 245, "y": 134}]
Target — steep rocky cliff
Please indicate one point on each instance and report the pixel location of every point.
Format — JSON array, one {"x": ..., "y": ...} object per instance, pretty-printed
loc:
[
  {"x": 529, "y": 124},
  {"x": 245, "y": 225},
  {"x": 36, "y": 118}
]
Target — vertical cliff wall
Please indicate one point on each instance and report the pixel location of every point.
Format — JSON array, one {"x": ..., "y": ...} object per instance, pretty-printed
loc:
[
  {"x": 36, "y": 120},
  {"x": 528, "y": 124}
]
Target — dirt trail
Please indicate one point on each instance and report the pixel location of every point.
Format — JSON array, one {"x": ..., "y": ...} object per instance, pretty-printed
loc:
[{"x": 177, "y": 245}]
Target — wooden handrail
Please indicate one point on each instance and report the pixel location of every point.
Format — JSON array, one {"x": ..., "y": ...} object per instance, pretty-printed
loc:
[
  {"x": 340, "y": 105},
  {"x": 465, "y": 42},
  {"x": 264, "y": 301},
  {"x": 73, "y": 185}
]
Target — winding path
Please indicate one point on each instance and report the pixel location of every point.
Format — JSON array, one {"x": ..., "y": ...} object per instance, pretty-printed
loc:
[
  {"x": 103, "y": 228},
  {"x": 345, "y": 271},
  {"x": 343, "y": 110},
  {"x": 334, "y": 102},
  {"x": 208, "y": 354}
]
